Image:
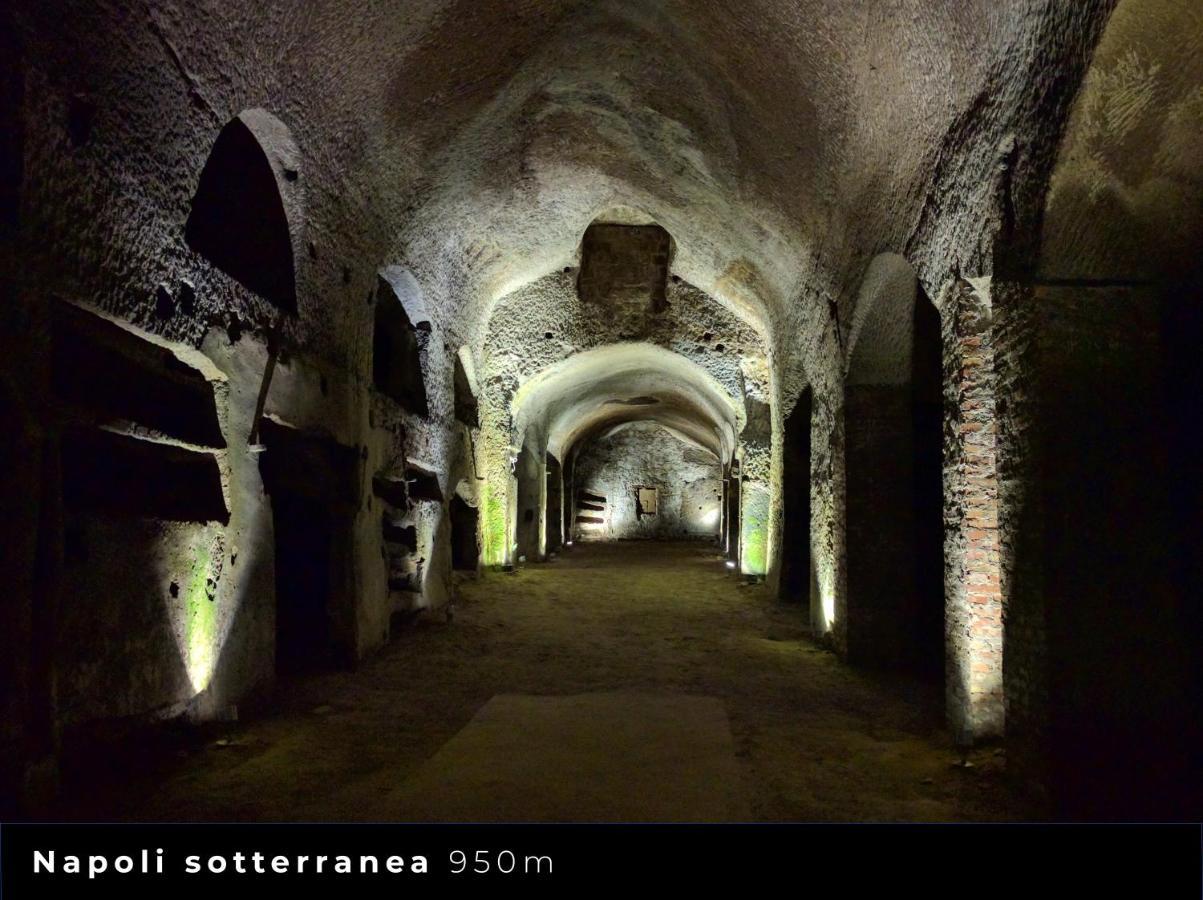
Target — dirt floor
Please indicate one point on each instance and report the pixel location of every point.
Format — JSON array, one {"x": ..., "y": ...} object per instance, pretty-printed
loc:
[{"x": 815, "y": 740}]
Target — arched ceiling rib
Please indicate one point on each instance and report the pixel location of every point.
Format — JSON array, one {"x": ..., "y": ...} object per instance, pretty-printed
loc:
[
  {"x": 882, "y": 323},
  {"x": 780, "y": 144},
  {"x": 593, "y": 391}
]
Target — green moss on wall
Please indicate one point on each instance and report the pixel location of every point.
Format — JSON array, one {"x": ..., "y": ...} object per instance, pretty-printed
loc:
[{"x": 200, "y": 622}]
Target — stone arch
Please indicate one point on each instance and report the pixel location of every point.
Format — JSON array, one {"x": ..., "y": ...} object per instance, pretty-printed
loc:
[
  {"x": 893, "y": 479},
  {"x": 582, "y": 396},
  {"x": 1098, "y": 347},
  {"x": 240, "y": 217}
]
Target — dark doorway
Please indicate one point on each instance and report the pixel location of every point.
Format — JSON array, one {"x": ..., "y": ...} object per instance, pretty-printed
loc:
[
  {"x": 313, "y": 483},
  {"x": 927, "y": 419},
  {"x": 465, "y": 549},
  {"x": 304, "y": 539},
  {"x": 894, "y": 492},
  {"x": 530, "y": 477},
  {"x": 795, "y": 557},
  {"x": 733, "y": 513}
]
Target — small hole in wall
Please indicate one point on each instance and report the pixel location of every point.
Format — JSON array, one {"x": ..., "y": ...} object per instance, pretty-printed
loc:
[
  {"x": 529, "y": 516},
  {"x": 708, "y": 337},
  {"x": 676, "y": 279},
  {"x": 187, "y": 298},
  {"x": 174, "y": 590},
  {"x": 547, "y": 335},
  {"x": 290, "y": 175},
  {"x": 312, "y": 250},
  {"x": 164, "y": 302},
  {"x": 719, "y": 348}
]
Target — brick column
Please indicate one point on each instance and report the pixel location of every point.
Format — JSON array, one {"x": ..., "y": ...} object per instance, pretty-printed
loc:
[
  {"x": 1097, "y": 440},
  {"x": 973, "y": 610}
]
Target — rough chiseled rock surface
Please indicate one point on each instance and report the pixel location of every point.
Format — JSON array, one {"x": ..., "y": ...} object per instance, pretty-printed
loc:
[
  {"x": 819, "y": 167},
  {"x": 687, "y": 481}
]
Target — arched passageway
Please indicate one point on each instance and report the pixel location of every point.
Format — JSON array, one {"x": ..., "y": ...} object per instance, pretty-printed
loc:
[
  {"x": 562, "y": 326},
  {"x": 642, "y": 430},
  {"x": 894, "y": 431}
]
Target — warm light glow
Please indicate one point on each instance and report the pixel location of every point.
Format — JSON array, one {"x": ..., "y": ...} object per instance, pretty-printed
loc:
[
  {"x": 754, "y": 529},
  {"x": 493, "y": 525},
  {"x": 200, "y": 625},
  {"x": 825, "y": 576}
]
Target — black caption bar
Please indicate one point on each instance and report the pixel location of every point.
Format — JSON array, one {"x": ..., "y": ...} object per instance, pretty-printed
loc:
[{"x": 233, "y": 860}]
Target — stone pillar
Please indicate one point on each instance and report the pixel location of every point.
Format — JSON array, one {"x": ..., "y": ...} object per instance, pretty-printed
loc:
[
  {"x": 1096, "y": 446},
  {"x": 722, "y": 511},
  {"x": 498, "y": 457},
  {"x": 829, "y": 598},
  {"x": 553, "y": 525},
  {"x": 973, "y": 621},
  {"x": 733, "y": 511},
  {"x": 754, "y": 527},
  {"x": 530, "y": 507},
  {"x": 755, "y": 488}
]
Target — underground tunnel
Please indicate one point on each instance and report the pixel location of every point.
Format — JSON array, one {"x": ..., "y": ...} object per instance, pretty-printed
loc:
[{"x": 728, "y": 412}]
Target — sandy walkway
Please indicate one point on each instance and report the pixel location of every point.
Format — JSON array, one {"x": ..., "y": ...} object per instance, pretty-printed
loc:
[{"x": 814, "y": 739}]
